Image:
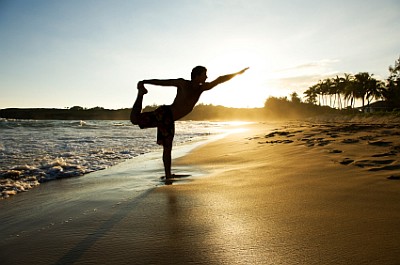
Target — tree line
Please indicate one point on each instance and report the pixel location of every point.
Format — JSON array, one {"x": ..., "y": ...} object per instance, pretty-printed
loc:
[
  {"x": 341, "y": 92},
  {"x": 328, "y": 96},
  {"x": 74, "y": 113}
]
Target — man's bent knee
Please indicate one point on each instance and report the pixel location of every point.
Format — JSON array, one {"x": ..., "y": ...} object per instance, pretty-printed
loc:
[{"x": 134, "y": 120}]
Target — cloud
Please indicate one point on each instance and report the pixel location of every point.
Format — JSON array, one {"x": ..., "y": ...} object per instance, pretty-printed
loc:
[
  {"x": 312, "y": 65},
  {"x": 301, "y": 76},
  {"x": 285, "y": 85},
  {"x": 303, "y": 81},
  {"x": 299, "y": 80}
]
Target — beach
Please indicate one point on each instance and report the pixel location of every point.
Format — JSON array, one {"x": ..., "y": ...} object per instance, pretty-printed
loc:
[{"x": 284, "y": 193}]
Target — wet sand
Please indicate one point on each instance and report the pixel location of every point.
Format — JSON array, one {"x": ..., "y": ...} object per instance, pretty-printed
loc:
[{"x": 304, "y": 193}]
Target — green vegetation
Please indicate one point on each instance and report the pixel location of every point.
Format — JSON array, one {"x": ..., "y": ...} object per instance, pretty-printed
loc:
[
  {"x": 282, "y": 108},
  {"x": 332, "y": 96},
  {"x": 74, "y": 113},
  {"x": 342, "y": 92}
]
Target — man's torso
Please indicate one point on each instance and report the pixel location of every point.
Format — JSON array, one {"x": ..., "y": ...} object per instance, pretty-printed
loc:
[{"x": 186, "y": 98}]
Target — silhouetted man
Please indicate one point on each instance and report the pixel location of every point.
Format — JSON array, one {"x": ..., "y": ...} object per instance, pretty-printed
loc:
[{"x": 164, "y": 117}]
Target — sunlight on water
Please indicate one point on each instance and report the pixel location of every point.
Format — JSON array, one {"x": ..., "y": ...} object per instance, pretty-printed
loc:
[
  {"x": 236, "y": 123},
  {"x": 234, "y": 127}
]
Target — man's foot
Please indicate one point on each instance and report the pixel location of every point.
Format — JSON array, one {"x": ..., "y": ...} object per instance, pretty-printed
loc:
[
  {"x": 167, "y": 180},
  {"x": 141, "y": 88}
]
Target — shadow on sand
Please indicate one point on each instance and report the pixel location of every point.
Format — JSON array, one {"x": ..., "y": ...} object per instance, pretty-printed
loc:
[{"x": 175, "y": 178}]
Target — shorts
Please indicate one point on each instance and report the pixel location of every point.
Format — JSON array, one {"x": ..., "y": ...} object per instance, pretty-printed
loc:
[{"x": 162, "y": 119}]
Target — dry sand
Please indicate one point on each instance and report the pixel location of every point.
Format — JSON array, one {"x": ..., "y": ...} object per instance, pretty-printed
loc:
[{"x": 304, "y": 193}]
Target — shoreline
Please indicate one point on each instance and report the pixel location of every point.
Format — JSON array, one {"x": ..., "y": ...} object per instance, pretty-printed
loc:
[
  {"x": 21, "y": 175},
  {"x": 263, "y": 200}
]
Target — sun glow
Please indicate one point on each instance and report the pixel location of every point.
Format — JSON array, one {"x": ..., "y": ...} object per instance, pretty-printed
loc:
[{"x": 247, "y": 90}]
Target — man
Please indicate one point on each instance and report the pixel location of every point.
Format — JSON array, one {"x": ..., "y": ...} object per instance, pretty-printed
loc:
[{"x": 188, "y": 93}]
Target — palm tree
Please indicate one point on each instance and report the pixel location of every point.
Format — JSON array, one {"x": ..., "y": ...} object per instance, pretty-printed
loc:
[
  {"x": 340, "y": 89},
  {"x": 348, "y": 90},
  {"x": 311, "y": 94},
  {"x": 329, "y": 89},
  {"x": 332, "y": 91},
  {"x": 361, "y": 83},
  {"x": 294, "y": 97},
  {"x": 374, "y": 90},
  {"x": 318, "y": 90},
  {"x": 323, "y": 88},
  {"x": 391, "y": 93}
]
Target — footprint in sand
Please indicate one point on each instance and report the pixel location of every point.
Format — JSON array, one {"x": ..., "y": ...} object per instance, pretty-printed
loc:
[
  {"x": 390, "y": 167},
  {"x": 333, "y": 135},
  {"x": 394, "y": 177},
  {"x": 379, "y": 143},
  {"x": 346, "y": 161},
  {"x": 372, "y": 163},
  {"x": 335, "y": 151},
  {"x": 310, "y": 142},
  {"x": 367, "y": 138},
  {"x": 391, "y": 153},
  {"x": 279, "y": 142},
  {"x": 350, "y": 141},
  {"x": 280, "y": 133}
]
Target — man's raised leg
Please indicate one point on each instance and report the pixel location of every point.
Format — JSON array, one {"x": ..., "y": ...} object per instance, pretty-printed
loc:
[{"x": 137, "y": 106}]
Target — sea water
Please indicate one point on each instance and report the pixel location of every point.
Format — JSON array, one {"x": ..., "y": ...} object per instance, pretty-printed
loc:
[{"x": 37, "y": 151}]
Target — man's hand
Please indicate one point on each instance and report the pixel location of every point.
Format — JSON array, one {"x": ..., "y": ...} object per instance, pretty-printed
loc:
[{"x": 242, "y": 71}]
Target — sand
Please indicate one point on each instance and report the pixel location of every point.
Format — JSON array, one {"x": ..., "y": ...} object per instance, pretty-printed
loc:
[{"x": 303, "y": 193}]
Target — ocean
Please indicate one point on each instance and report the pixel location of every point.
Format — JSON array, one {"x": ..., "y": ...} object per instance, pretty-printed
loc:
[{"x": 37, "y": 151}]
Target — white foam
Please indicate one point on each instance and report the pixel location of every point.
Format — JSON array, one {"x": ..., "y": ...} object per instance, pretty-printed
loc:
[{"x": 32, "y": 152}]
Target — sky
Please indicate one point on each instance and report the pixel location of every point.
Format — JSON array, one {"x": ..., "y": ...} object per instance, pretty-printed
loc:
[{"x": 92, "y": 53}]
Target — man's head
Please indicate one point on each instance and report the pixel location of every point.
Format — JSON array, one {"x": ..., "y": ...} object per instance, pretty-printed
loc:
[{"x": 199, "y": 72}]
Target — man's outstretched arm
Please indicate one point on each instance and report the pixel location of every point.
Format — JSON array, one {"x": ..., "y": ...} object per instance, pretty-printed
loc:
[
  {"x": 223, "y": 78},
  {"x": 163, "y": 82}
]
